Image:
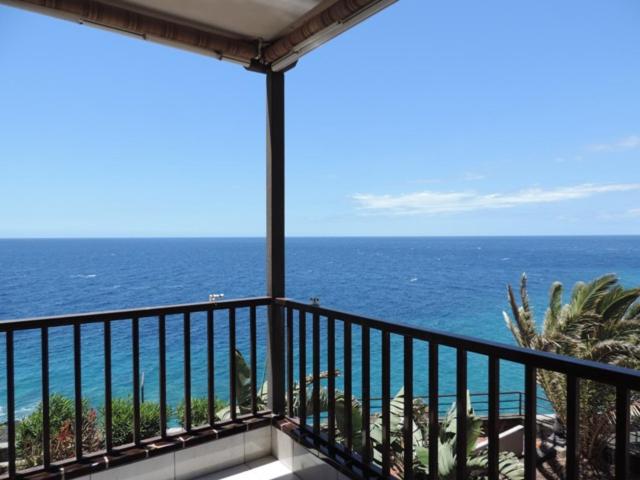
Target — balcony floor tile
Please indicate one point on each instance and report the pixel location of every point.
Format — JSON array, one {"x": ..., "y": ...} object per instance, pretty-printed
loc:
[{"x": 267, "y": 468}]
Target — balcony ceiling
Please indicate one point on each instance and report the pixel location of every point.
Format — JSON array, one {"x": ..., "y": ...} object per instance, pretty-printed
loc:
[
  {"x": 250, "y": 19},
  {"x": 262, "y": 33}
]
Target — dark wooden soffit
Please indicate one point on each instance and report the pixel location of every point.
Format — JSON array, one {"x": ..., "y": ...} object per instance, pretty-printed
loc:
[
  {"x": 195, "y": 38},
  {"x": 336, "y": 13}
]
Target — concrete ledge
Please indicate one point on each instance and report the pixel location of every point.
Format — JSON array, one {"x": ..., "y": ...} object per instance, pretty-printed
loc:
[
  {"x": 178, "y": 457},
  {"x": 196, "y": 461}
]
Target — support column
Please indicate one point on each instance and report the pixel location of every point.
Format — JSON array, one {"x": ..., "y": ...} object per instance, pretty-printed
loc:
[{"x": 275, "y": 237}]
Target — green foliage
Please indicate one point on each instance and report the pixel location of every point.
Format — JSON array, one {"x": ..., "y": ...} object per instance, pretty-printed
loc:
[
  {"x": 243, "y": 394},
  {"x": 122, "y": 420},
  {"x": 601, "y": 322},
  {"x": 243, "y": 391},
  {"x": 29, "y": 433},
  {"x": 510, "y": 467},
  {"x": 62, "y": 426},
  {"x": 199, "y": 411}
]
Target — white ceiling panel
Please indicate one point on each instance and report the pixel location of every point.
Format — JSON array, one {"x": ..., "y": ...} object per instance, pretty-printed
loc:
[{"x": 264, "y": 19}]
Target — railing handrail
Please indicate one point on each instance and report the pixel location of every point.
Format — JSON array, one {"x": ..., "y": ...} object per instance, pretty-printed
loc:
[
  {"x": 127, "y": 314},
  {"x": 587, "y": 369}
]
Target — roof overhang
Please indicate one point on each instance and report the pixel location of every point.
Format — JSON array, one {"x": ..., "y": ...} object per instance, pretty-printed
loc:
[{"x": 263, "y": 34}]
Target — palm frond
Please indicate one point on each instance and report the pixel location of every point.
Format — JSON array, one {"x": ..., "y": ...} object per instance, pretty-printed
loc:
[
  {"x": 553, "y": 314},
  {"x": 616, "y": 307},
  {"x": 633, "y": 311},
  {"x": 522, "y": 316}
]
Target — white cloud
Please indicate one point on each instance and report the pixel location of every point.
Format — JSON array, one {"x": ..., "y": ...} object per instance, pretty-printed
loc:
[
  {"x": 434, "y": 203},
  {"x": 628, "y": 143}
]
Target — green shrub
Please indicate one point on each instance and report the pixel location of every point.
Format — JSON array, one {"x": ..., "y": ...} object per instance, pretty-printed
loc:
[
  {"x": 122, "y": 420},
  {"x": 199, "y": 410},
  {"x": 62, "y": 427}
]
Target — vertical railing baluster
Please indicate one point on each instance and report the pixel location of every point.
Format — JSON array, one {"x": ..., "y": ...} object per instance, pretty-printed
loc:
[
  {"x": 211, "y": 369},
  {"x": 434, "y": 426},
  {"x": 573, "y": 426},
  {"x": 302, "y": 367},
  {"x": 461, "y": 414},
  {"x": 290, "y": 396},
  {"x": 162, "y": 380},
  {"x": 494, "y": 417},
  {"x": 232, "y": 364},
  {"x": 530, "y": 400},
  {"x": 211, "y": 389},
  {"x": 77, "y": 375},
  {"x": 622, "y": 432},
  {"x": 386, "y": 403},
  {"x": 366, "y": 394},
  {"x": 348, "y": 417},
  {"x": 186, "y": 337},
  {"x": 331, "y": 384},
  {"x": 108, "y": 434},
  {"x": 11, "y": 405},
  {"x": 408, "y": 408},
  {"x": 520, "y": 404},
  {"x": 316, "y": 375},
  {"x": 135, "y": 353},
  {"x": 254, "y": 360},
  {"x": 46, "y": 424}
]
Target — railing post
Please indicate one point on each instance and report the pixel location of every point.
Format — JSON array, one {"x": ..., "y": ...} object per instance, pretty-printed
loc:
[
  {"x": 461, "y": 414},
  {"x": 530, "y": 423},
  {"x": 622, "y": 432},
  {"x": 275, "y": 236},
  {"x": 573, "y": 428},
  {"x": 494, "y": 417}
]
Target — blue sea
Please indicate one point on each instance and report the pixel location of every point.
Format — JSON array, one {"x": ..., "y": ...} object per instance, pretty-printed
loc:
[{"x": 451, "y": 284}]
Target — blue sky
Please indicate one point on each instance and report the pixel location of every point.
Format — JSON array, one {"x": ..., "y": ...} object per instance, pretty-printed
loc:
[{"x": 433, "y": 118}]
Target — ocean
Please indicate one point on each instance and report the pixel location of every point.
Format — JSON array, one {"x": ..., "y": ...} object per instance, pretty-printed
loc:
[{"x": 455, "y": 284}]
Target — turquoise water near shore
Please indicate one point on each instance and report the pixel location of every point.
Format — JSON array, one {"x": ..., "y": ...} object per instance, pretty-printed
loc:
[{"x": 450, "y": 284}]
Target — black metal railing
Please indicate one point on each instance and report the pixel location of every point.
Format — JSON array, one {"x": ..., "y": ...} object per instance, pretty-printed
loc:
[
  {"x": 360, "y": 459},
  {"x": 160, "y": 314},
  {"x": 315, "y": 328}
]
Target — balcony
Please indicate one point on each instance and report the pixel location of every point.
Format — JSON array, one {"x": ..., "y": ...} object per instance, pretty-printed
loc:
[
  {"x": 310, "y": 429},
  {"x": 306, "y": 392}
]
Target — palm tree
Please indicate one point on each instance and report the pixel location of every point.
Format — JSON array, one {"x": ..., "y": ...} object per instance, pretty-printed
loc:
[{"x": 601, "y": 322}]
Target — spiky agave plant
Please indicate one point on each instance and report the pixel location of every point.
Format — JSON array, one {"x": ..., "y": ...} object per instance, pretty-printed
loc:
[
  {"x": 601, "y": 322},
  {"x": 510, "y": 468}
]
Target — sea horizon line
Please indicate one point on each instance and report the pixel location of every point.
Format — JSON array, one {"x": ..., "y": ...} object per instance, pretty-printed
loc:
[{"x": 263, "y": 237}]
